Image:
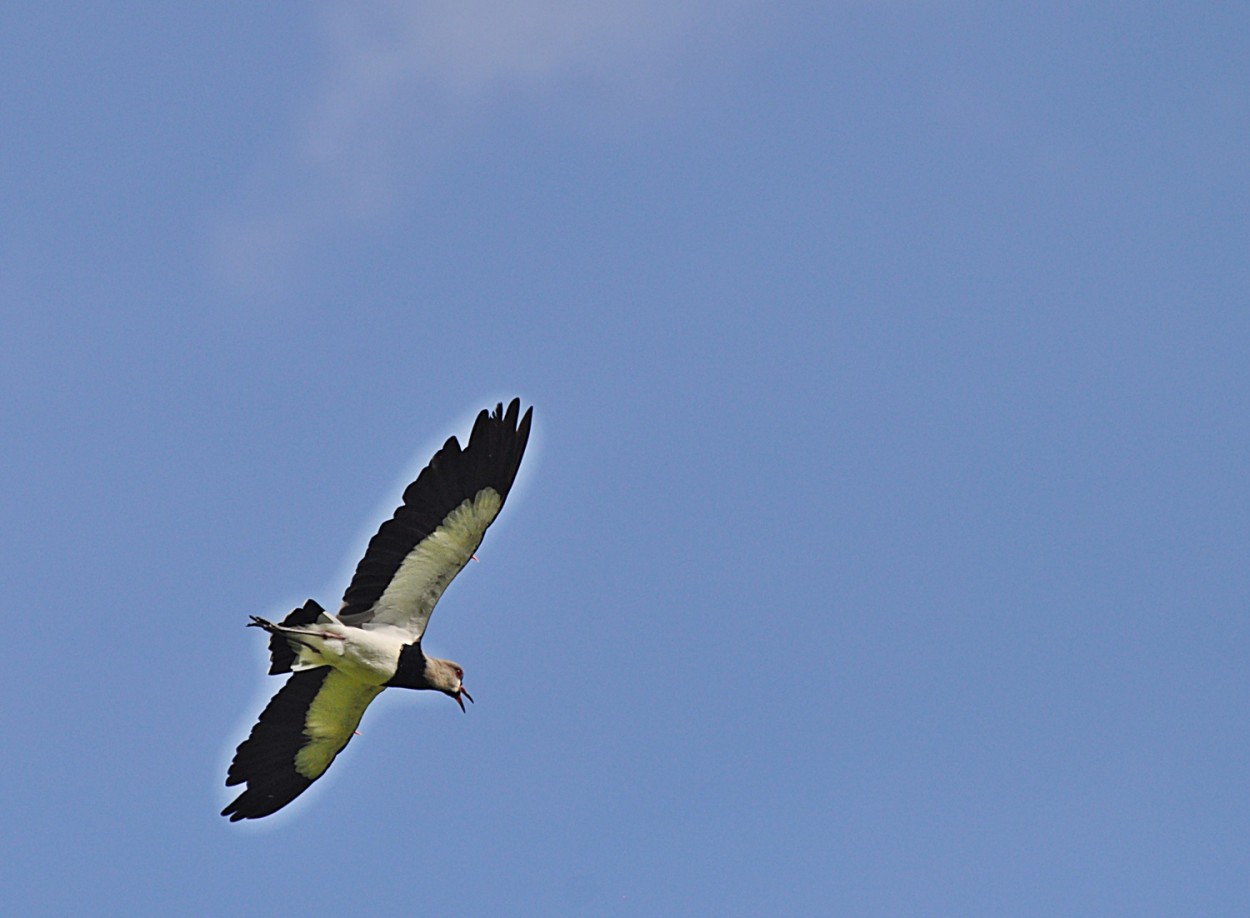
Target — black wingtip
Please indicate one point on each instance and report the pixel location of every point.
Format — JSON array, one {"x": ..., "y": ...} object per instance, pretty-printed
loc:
[{"x": 265, "y": 761}]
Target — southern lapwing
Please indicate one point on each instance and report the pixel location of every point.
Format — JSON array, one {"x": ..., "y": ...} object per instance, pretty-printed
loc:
[{"x": 342, "y": 662}]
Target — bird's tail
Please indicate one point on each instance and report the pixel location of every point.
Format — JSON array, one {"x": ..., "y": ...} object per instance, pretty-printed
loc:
[{"x": 282, "y": 655}]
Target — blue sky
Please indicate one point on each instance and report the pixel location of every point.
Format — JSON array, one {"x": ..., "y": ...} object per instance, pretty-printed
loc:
[{"x": 882, "y": 544}]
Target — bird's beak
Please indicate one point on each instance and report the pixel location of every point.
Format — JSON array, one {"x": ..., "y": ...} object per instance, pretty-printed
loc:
[{"x": 459, "y": 700}]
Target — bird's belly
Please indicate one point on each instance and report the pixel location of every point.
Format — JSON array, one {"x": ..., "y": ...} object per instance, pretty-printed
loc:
[{"x": 366, "y": 657}]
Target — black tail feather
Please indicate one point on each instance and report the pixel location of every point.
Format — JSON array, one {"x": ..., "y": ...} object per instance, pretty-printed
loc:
[{"x": 281, "y": 654}]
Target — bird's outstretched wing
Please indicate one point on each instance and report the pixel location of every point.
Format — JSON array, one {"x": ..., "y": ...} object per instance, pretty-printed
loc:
[
  {"x": 445, "y": 512},
  {"x": 298, "y": 735}
]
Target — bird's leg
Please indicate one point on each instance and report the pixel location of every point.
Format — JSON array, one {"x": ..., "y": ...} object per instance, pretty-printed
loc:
[{"x": 258, "y": 622}]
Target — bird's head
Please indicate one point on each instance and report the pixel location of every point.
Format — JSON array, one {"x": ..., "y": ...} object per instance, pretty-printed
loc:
[{"x": 448, "y": 678}]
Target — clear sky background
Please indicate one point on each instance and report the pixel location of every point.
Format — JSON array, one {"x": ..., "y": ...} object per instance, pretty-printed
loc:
[{"x": 882, "y": 544}]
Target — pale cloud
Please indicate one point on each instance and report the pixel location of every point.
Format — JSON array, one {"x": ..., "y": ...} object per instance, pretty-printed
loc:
[{"x": 403, "y": 80}]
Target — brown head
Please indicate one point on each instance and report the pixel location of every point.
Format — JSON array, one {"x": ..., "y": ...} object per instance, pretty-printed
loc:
[{"x": 448, "y": 678}]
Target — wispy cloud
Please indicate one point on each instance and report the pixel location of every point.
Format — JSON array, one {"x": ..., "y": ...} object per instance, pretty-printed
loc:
[{"x": 403, "y": 79}]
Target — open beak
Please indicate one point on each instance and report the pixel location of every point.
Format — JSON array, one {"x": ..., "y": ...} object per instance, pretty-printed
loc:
[{"x": 459, "y": 700}]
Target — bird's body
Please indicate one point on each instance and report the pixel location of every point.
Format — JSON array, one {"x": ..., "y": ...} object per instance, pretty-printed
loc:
[
  {"x": 368, "y": 655},
  {"x": 340, "y": 663}
]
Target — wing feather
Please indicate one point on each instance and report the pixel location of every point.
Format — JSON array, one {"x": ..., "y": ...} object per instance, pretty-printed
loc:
[
  {"x": 434, "y": 533},
  {"x": 301, "y": 730}
]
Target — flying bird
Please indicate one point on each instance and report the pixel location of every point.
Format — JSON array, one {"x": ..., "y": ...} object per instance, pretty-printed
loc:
[{"x": 340, "y": 663}]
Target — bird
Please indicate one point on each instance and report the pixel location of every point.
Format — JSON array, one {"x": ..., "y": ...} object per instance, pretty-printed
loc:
[{"x": 339, "y": 663}]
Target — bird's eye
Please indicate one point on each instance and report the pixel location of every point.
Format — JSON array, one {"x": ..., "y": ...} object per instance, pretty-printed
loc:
[{"x": 459, "y": 673}]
